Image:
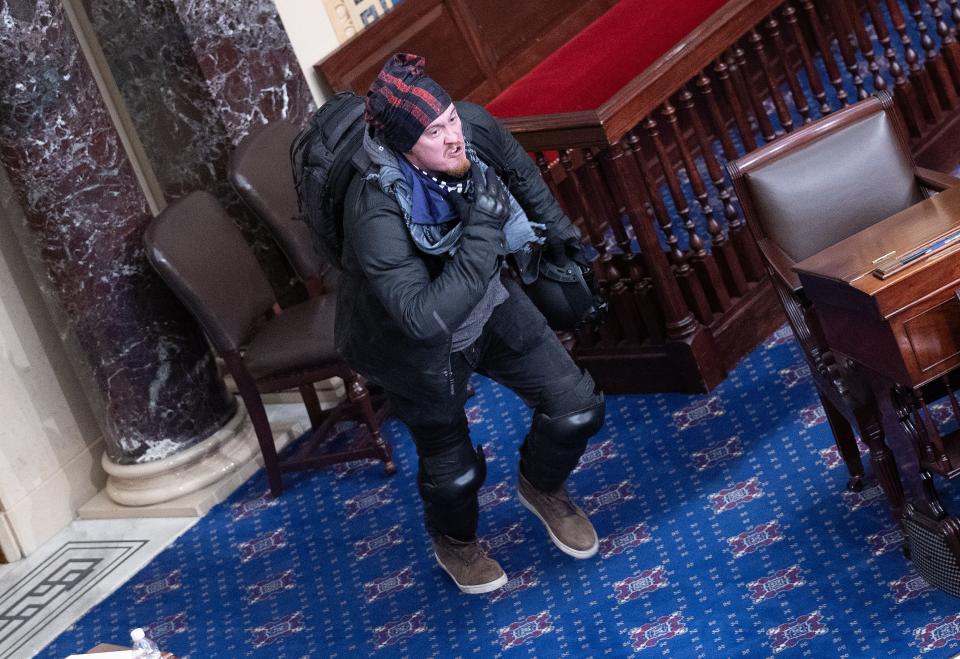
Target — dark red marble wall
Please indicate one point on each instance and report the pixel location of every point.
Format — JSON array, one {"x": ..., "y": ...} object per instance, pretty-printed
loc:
[
  {"x": 154, "y": 379},
  {"x": 196, "y": 78},
  {"x": 247, "y": 61}
]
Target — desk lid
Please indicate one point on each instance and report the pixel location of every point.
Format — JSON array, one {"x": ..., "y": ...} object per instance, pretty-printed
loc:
[{"x": 853, "y": 260}]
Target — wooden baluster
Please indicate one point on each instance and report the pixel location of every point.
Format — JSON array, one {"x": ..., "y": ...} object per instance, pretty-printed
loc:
[
  {"x": 715, "y": 283},
  {"x": 718, "y": 123},
  {"x": 744, "y": 245},
  {"x": 865, "y": 43},
  {"x": 544, "y": 168},
  {"x": 723, "y": 245},
  {"x": 954, "y": 404},
  {"x": 918, "y": 75},
  {"x": 741, "y": 77},
  {"x": 676, "y": 315},
  {"x": 813, "y": 73},
  {"x": 595, "y": 185},
  {"x": 636, "y": 307},
  {"x": 936, "y": 66},
  {"x": 660, "y": 214},
  {"x": 826, "y": 54},
  {"x": 596, "y": 188},
  {"x": 621, "y": 293},
  {"x": 585, "y": 335},
  {"x": 783, "y": 112},
  {"x": 841, "y": 30},
  {"x": 576, "y": 203},
  {"x": 952, "y": 59},
  {"x": 955, "y": 18},
  {"x": 949, "y": 47},
  {"x": 695, "y": 251},
  {"x": 740, "y": 116},
  {"x": 796, "y": 89},
  {"x": 902, "y": 87},
  {"x": 686, "y": 279}
]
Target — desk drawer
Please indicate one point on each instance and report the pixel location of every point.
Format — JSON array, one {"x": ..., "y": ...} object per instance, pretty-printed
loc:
[{"x": 934, "y": 334}]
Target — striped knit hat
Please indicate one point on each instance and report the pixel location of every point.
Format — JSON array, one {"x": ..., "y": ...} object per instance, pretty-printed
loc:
[{"x": 402, "y": 101}]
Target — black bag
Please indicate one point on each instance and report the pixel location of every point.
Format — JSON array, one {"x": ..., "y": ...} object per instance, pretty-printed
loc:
[
  {"x": 322, "y": 160},
  {"x": 931, "y": 547}
]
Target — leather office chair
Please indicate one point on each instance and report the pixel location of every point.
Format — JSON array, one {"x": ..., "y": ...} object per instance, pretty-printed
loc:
[
  {"x": 809, "y": 190},
  {"x": 201, "y": 255},
  {"x": 260, "y": 172}
]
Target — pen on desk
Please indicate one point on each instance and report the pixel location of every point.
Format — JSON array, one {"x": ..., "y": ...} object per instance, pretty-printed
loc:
[{"x": 933, "y": 247}]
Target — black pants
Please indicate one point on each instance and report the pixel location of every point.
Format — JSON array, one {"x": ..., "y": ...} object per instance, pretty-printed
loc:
[{"x": 517, "y": 349}]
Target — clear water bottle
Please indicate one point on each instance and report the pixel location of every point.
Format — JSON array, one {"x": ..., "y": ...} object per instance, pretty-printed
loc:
[{"x": 143, "y": 647}]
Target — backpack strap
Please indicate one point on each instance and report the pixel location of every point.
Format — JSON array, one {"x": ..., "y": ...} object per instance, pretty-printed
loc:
[{"x": 345, "y": 123}]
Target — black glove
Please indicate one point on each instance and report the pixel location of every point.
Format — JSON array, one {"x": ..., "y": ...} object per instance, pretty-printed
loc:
[{"x": 491, "y": 201}]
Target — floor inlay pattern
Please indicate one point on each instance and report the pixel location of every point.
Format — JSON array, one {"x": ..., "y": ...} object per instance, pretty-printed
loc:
[{"x": 63, "y": 578}]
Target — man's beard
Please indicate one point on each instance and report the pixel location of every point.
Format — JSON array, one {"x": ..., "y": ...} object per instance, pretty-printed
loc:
[{"x": 460, "y": 169}]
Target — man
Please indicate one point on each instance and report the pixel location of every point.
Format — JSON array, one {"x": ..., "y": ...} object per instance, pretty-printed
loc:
[{"x": 446, "y": 195}]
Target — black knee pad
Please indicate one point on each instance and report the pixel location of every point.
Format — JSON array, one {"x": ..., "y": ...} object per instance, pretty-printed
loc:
[
  {"x": 572, "y": 429},
  {"x": 452, "y": 477}
]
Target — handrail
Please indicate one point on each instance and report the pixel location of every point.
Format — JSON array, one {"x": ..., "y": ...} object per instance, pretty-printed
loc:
[{"x": 631, "y": 104}]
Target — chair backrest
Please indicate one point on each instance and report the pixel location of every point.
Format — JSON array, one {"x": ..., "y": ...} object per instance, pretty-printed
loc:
[
  {"x": 201, "y": 255},
  {"x": 829, "y": 179},
  {"x": 260, "y": 172}
]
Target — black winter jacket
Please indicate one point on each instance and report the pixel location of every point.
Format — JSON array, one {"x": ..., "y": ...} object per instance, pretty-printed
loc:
[{"x": 397, "y": 307}]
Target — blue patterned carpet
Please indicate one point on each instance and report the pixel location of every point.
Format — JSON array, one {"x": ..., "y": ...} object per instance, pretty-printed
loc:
[{"x": 725, "y": 532}]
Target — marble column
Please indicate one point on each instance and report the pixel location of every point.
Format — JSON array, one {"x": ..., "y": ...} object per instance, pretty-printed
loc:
[
  {"x": 196, "y": 78},
  {"x": 145, "y": 365}
]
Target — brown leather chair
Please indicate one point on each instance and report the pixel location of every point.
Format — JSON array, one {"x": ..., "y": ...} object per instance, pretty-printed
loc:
[
  {"x": 260, "y": 173},
  {"x": 811, "y": 189},
  {"x": 201, "y": 255}
]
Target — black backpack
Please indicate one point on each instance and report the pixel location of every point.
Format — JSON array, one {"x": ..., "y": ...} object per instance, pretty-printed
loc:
[{"x": 322, "y": 160}]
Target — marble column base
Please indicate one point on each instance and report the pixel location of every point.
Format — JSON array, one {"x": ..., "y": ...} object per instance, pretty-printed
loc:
[{"x": 181, "y": 482}]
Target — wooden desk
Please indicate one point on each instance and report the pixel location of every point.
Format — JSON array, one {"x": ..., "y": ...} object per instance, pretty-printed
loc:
[{"x": 905, "y": 329}]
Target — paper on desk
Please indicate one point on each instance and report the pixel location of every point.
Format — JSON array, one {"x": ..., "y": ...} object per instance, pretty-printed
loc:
[{"x": 119, "y": 654}]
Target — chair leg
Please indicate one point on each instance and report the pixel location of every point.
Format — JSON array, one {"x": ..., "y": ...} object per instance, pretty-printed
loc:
[
  {"x": 358, "y": 395},
  {"x": 846, "y": 443},
  {"x": 261, "y": 426},
  {"x": 310, "y": 400}
]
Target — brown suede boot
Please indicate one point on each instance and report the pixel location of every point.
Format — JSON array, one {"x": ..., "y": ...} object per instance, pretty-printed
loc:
[
  {"x": 568, "y": 526},
  {"x": 467, "y": 565}
]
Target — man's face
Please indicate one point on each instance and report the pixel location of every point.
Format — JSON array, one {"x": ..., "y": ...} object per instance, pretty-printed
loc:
[{"x": 440, "y": 148}]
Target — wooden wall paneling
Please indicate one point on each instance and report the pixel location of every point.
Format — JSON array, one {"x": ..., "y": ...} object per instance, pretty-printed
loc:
[
  {"x": 474, "y": 48},
  {"x": 425, "y": 27}
]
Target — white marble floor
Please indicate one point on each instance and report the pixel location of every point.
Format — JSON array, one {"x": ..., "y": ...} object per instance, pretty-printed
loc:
[{"x": 46, "y": 592}]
